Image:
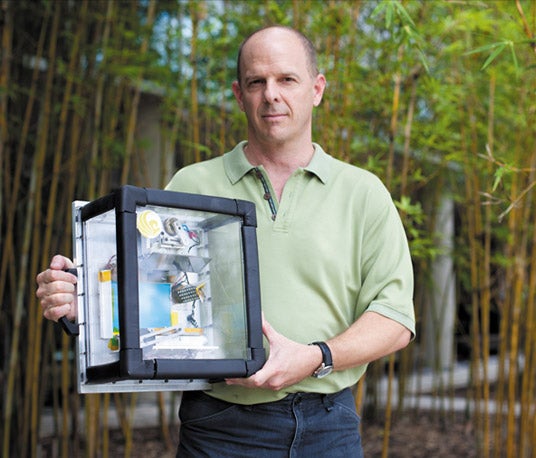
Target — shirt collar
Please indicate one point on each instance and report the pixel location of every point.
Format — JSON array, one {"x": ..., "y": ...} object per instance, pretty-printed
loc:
[
  {"x": 320, "y": 164},
  {"x": 236, "y": 164}
]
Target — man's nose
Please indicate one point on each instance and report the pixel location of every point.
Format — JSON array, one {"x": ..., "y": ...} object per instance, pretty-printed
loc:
[{"x": 271, "y": 91}]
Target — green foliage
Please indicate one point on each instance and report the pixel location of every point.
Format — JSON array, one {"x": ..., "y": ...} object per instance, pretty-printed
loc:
[
  {"x": 496, "y": 49},
  {"x": 421, "y": 240},
  {"x": 392, "y": 9},
  {"x": 399, "y": 20}
]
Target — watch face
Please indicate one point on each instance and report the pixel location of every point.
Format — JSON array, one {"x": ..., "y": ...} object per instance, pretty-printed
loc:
[{"x": 323, "y": 371}]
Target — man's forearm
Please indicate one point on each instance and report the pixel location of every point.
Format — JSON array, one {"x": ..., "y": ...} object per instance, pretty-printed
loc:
[{"x": 371, "y": 337}]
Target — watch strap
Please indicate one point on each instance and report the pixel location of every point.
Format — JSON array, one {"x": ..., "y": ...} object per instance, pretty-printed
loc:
[{"x": 327, "y": 359}]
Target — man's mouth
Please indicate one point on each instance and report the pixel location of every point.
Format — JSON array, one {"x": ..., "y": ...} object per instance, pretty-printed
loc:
[{"x": 273, "y": 115}]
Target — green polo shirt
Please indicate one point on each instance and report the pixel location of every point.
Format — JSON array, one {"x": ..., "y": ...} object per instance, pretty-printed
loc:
[{"x": 335, "y": 250}]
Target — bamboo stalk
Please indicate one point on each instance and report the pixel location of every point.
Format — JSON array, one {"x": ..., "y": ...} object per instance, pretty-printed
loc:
[
  {"x": 64, "y": 386},
  {"x": 394, "y": 119},
  {"x": 32, "y": 236},
  {"x": 360, "y": 394},
  {"x": 105, "y": 425},
  {"x": 349, "y": 83},
  {"x": 99, "y": 100},
  {"x": 327, "y": 103},
  {"x": 333, "y": 136},
  {"x": 388, "y": 407},
  {"x": 474, "y": 230},
  {"x": 485, "y": 272},
  {"x": 504, "y": 341},
  {"x": 511, "y": 443},
  {"x": 129, "y": 422},
  {"x": 51, "y": 217},
  {"x": 194, "y": 96},
  {"x": 14, "y": 186},
  {"x": 223, "y": 109},
  {"x": 172, "y": 132},
  {"x": 92, "y": 408},
  {"x": 117, "y": 95},
  {"x": 527, "y": 432},
  {"x": 69, "y": 403},
  {"x": 133, "y": 115},
  {"x": 526, "y": 26},
  {"x": 5, "y": 187},
  {"x": 5, "y": 71},
  {"x": 528, "y": 384},
  {"x": 527, "y": 396},
  {"x": 520, "y": 313},
  {"x": 13, "y": 372},
  {"x": 407, "y": 134},
  {"x": 164, "y": 424}
]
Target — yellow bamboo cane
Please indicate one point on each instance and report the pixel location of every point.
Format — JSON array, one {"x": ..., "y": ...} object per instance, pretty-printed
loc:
[
  {"x": 58, "y": 160},
  {"x": 528, "y": 384},
  {"x": 98, "y": 104},
  {"x": 133, "y": 114},
  {"x": 34, "y": 320},
  {"x": 194, "y": 96}
]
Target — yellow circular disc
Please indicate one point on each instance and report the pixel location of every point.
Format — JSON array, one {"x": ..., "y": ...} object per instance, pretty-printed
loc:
[{"x": 149, "y": 224}]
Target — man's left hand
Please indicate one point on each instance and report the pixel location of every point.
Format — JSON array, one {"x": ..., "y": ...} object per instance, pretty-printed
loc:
[{"x": 288, "y": 363}]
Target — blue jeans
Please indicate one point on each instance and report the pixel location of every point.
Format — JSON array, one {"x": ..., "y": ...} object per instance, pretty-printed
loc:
[{"x": 304, "y": 425}]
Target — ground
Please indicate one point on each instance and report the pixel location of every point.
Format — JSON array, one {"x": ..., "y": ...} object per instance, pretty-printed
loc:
[
  {"x": 415, "y": 435},
  {"x": 422, "y": 436}
]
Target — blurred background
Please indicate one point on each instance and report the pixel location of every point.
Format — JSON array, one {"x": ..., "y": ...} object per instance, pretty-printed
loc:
[{"x": 438, "y": 98}]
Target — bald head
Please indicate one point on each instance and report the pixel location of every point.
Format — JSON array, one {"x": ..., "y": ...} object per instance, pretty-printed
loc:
[{"x": 308, "y": 47}]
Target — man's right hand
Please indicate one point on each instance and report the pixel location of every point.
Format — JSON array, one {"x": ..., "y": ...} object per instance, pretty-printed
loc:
[{"x": 56, "y": 289}]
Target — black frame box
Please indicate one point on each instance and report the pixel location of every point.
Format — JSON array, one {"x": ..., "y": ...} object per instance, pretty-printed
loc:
[{"x": 168, "y": 291}]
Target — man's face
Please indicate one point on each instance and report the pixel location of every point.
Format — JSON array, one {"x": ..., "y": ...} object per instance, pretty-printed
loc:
[{"x": 277, "y": 91}]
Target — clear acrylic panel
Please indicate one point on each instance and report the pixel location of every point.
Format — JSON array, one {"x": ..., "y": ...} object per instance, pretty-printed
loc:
[
  {"x": 100, "y": 250},
  {"x": 191, "y": 284}
]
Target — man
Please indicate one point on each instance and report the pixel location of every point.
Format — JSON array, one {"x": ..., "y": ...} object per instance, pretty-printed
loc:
[{"x": 336, "y": 275}]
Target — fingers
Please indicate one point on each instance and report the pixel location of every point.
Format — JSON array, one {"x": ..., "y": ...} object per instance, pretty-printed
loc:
[
  {"x": 57, "y": 299},
  {"x": 60, "y": 262},
  {"x": 57, "y": 289},
  {"x": 288, "y": 363},
  {"x": 48, "y": 278},
  {"x": 57, "y": 312},
  {"x": 55, "y": 271}
]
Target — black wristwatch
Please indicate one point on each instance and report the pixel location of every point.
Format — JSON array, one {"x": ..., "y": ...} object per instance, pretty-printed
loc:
[{"x": 327, "y": 361}]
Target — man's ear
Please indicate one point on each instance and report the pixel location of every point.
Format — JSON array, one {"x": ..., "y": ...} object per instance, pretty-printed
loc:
[
  {"x": 318, "y": 88},
  {"x": 237, "y": 91}
]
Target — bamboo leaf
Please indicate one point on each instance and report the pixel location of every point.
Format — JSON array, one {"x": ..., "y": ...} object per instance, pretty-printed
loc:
[
  {"x": 380, "y": 8},
  {"x": 513, "y": 52},
  {"x": 403, "y": 14},
  {"x": 487, "y": 47},
  {"x": 499, "y": 49},
  {"x": 499, "y": 173},
  {"x": 392, "y": 8},
  {"x": 423, "y": 60}
]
